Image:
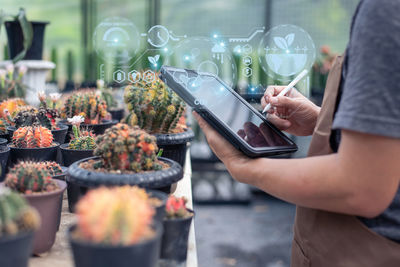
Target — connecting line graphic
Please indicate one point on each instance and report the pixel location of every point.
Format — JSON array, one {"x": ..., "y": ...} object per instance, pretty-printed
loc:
[{"x": 248, "y": 39}]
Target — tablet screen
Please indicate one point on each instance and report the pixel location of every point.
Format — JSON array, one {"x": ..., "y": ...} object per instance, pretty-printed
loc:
[{"x": 217, "y": 98}]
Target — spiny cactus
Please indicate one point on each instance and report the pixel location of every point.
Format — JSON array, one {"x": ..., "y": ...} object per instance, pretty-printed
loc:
[
  {"x": 81, "y": 140},
  {"x": 28, "y": 177},
  {"x": 88, "y": 103},
  {"x": 176, "y": 207},
  {"x": 153, "y": 106},
  {"x": 3, "y": 126},
  {"x": 52, "y": 167},
  {"x": 33, "y": 117},
  {"x": 11, "y": 105},
  {"x": 125, "y": 148},
  {"x": 15, "y": 214},
  {"x": 32, "y": 137},
  {"x": 116, "y": 216}
]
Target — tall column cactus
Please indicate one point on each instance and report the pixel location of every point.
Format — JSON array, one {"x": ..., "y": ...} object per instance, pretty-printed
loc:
[{"x": 153, "y": 106}]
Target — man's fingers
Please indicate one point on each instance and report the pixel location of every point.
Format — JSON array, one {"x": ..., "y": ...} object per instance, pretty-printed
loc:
[
  {"x": 278, "y": 122},
  {"x": 202, "y": 123},
  {"x": 283, "y": 102}
]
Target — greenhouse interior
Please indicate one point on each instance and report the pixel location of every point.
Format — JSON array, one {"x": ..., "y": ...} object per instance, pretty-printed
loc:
[{"x": 214, "y": 133}]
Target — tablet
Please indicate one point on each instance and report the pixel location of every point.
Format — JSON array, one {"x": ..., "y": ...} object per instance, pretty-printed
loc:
[{"x": 235, "y": 119}]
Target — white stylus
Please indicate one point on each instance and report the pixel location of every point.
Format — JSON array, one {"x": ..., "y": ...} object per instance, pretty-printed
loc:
[{"x": 287, "y": 88}]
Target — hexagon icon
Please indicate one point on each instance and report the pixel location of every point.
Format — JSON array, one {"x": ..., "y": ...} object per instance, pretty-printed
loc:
[
  {"x": 247, "y": 49},
  {"x": 247, "y": 72},
  {"x": 149, "y": 76},
  {"x": 134, "y": 76},
  {"x": 247, "y": 60},
  {"x": 119, "y": 76}
]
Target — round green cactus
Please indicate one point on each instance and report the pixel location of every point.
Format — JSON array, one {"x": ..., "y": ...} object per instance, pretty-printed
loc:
[
  {"x": 15, "y": 213},
  {"x": 28, "y": 177},
  {"x": 153, "y": 106}
]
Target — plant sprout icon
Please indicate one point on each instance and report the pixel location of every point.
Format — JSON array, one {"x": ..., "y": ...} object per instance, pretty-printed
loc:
[
  {"x": 154, "y": 60},
  {"x": 218, "y": 51}
]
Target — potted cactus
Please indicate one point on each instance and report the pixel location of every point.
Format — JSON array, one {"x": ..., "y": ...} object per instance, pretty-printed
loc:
[
  {"x": 18, "y": 222},
  {"x": 80, "y": 146},
  {"x": 159, "y": 111},
  {"x": 33, "y": 142},
  {"x": 124, "y": 155},
  {"x": 176, "y": 224},
  {"x": 34, "y": 182},
  {"x": 8, "y": 107},
  {"x": 115, "y": 228},
  {"x": 90, "y": 105}
]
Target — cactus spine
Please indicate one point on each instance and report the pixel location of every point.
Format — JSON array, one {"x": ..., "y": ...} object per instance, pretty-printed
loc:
[
  {"x": 116, "y": 216},
  {"x": 28, "y": 177},
  {"x": 153, "y": 106},
  {"x": 15, "y": 214},
  {"x": 32, "y": 137},
  {"x": 124, "y": 148},
  {"x": 87, "y": 103}
]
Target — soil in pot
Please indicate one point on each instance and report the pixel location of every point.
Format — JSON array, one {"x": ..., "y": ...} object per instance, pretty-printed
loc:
[
  {"x": 48, "y": 206},
  {"x": 174, "y": 243},
  {"x": 58, "y": 135},
  {"x": 143, "y": 254},
  {"x": 4, "y": 154},
  {"x": 174, "y": 145},
  {"x": 16, "y": 40},
  {"x": 69, "y": 156},
  {"x": 80, "y": 180},
  {"x": 15, "y": 250},
  {"x": 36, "y": 154}
]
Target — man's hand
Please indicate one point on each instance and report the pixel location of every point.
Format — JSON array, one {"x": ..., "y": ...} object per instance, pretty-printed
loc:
[
  {"x": 292, "y": 113},
  {"x": 229, "y": 155}
]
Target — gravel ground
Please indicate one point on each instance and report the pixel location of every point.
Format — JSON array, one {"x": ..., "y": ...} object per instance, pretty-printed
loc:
[{"x": 255, "y": 235}]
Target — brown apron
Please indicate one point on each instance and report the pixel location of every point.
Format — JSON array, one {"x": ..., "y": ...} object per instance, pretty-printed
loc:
[{"x": 326, "y": 239}]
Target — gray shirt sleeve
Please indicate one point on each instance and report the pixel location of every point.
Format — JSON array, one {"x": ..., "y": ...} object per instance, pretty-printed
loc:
[{"x": 370, "y": 101}]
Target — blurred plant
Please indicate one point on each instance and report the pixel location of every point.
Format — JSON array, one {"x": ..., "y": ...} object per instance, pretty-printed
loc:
[
  {"x": 116, "y": 216},
  {"x": 176, "y": 207},
  {"x": 107, "y": 94},
  {"x": 87, "y": 103},
  {"x": 124, "y": 148},
  {"x": 16, "y": 215},
  {"x": 322, "y": 66},
  {"x": 52, "y": 167},
  {"x": 32, "y": 137},
  {"x": 11, "y": 83},
  {"x": 28, "y": 177},
  {"x": 81, "y": 140},
  {"x": 153, "y": 107},
  {"x": 3, "y": 126},
  {"x": 10, "y": 107},
  {"x": 26, "y": 28}
]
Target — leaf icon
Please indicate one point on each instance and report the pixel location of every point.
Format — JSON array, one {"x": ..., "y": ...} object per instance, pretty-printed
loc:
[
  {"x": 281, "y": 43},
  {"x": 152, "y": 60},
  {"x": 289, "y": 39},
  {"x": 157, "y": 57}
]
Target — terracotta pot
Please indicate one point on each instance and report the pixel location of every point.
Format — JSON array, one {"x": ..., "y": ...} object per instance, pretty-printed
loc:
[
  {"x": 174, "y": 145},
  {"x": 80, "y": 180},
  {"x": 143, "y": 254},
  {"x": 15, "y": 250},
  {"x": 48, "y": 206}
]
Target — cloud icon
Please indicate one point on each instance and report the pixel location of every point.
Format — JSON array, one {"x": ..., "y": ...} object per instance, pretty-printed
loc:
[{"x": 218, "y": 49}]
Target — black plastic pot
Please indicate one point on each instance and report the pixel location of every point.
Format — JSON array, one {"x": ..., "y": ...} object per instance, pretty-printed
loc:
[
  {"x": 35, "y": 154},
  {"x": 58, "y": 135},
  {"x": 143, "y": 254},
  {"x": 69, "y": 156},
  {"x": 117, "y": 114},
  {"x": 61, "y": 176},
  {"x": 5, "y": 136},
  {"x": 160, "y": 210},
  {"x": 4, "y": 154},
  {"x": 3, "y": 141},
  {"x": 15, "y": 250},
  {"x": 174, "y": 145},
  {"x": 16, "y": 39},
  {"x": 80, "y": 180},
  {"x": 95, "y": 128},
  {"x": 174, "y": 243}
]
